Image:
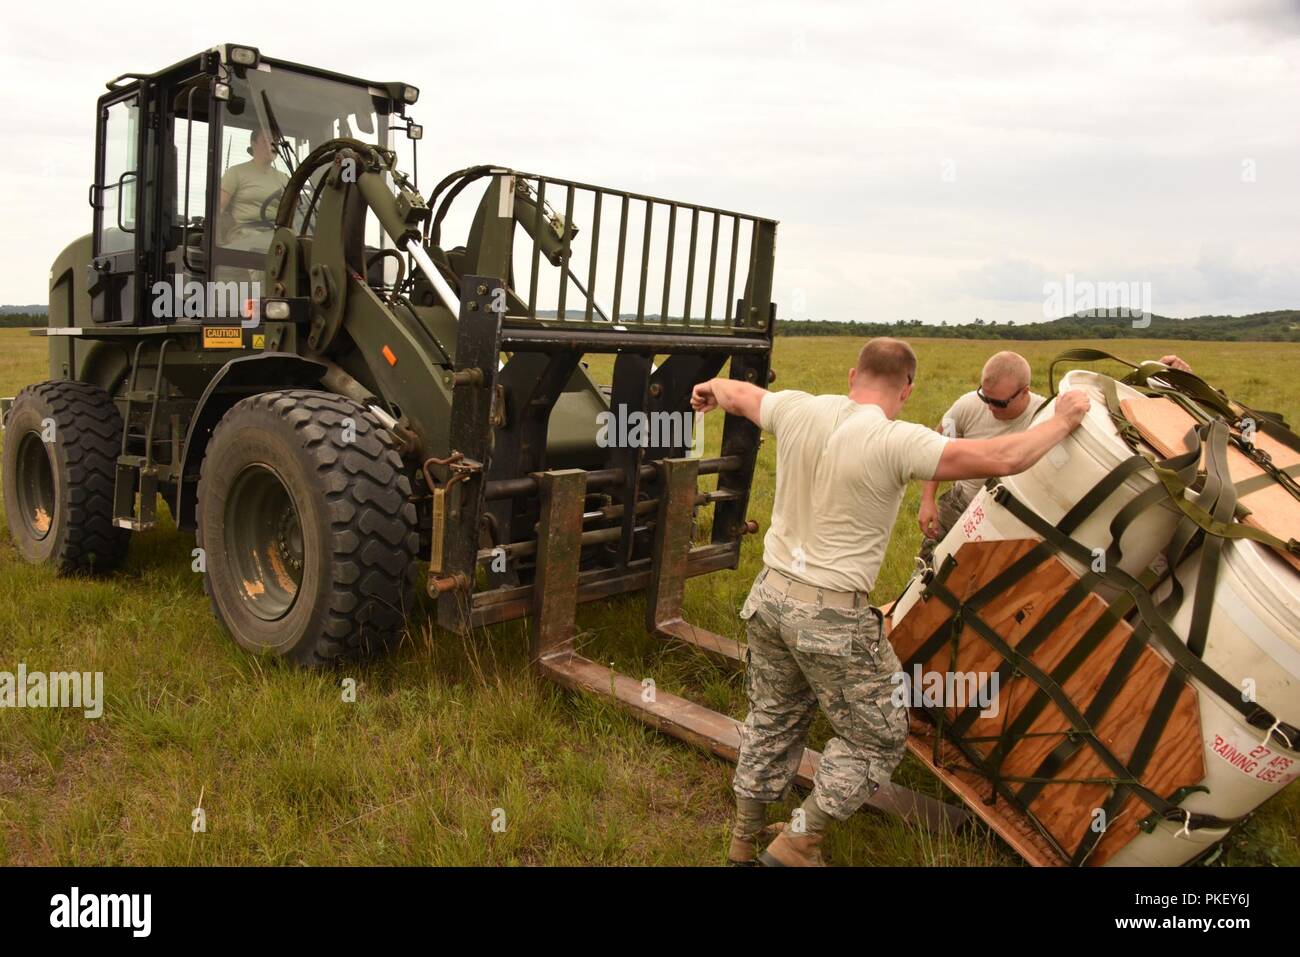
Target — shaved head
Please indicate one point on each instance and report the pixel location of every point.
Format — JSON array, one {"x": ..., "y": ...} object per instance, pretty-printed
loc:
[
  {"x": 1006, "y": 368},
  {"x": 888, "y": 360}
]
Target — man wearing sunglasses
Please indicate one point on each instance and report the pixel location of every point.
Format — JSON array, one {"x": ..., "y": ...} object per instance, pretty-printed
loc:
[{"x": 1002, "y": 405}]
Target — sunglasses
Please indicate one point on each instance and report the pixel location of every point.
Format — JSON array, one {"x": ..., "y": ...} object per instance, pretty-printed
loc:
[{"x": 999, "y": 403}]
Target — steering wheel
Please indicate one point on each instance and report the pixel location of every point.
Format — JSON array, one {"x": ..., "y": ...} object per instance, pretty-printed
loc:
[{"x": 264, "y": 215}]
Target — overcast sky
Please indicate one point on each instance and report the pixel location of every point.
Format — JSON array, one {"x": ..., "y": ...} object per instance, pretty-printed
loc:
[{"x": 936, "y": 162}]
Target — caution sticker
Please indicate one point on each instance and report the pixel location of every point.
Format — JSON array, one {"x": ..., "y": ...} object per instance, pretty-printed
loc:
[
  {"x": 259, "y": 340},
  {"x": 223, "y": 337}
]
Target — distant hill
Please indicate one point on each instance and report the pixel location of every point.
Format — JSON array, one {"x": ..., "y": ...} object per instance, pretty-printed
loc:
[{"x": 1280, "y": 326}]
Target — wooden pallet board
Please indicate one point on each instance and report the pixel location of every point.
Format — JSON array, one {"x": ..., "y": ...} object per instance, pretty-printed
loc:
[
  {"x": 977, "y": 794},
  {"x": 1065, "y": 810},
  {"x": 1165, "y": 425}
]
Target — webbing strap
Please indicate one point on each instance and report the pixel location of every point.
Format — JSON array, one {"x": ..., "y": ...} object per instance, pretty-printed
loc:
[
  {"x": 1145, "y": 747},
  {"x": 1059, "y": 698},
  {"x": 1110, "y": 688},
  {"x": 1258, "y": 482},
  {"x": 1060, "y": 674},
  {"x": 1223, "y": 499},
  {"x": 1123, "y": 778},
  {"x": 1040, "y": 632},
  {"x": 1255, "y": 715},
  {"x": 1222, "y": 528}
]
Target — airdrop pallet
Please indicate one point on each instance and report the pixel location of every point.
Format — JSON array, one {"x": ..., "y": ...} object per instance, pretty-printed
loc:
[{"x": 1090, "y": 720}]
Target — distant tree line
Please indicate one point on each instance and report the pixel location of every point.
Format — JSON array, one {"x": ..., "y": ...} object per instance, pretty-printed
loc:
[
  {"x": 21, "y": 320},
  {"x": 1281, "y": 326}
]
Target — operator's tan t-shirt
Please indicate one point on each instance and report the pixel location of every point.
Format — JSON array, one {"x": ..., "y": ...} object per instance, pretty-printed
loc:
[
  {"x": 249, "y": 185},
  {"x": 841, "y": 469},
  {"x": 970, "y": 418}
]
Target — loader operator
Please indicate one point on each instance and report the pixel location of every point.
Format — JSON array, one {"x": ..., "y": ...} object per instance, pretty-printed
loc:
[
  {"x": 247, "y": 218},
  {"x": 842, "y": 465},
  {"x": 1003, "y": 404}
]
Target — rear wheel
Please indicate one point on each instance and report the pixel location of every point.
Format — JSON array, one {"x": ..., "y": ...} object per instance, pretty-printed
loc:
[
  {"x": 61, "y": 443},
  {"x": 307, "y": 527}
]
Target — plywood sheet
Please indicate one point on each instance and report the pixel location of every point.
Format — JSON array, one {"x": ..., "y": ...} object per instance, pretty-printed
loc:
[
  {"x": 1165, "y": 425},
  {"x": 1065, "y": 808}
]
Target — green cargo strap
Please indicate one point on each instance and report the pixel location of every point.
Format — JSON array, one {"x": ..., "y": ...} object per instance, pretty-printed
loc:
[
  {"x": 1018, "y": 569},
  {"x": 1063, "y": 703},
  {"x": 1110, "y": 688},
  {"x": 1254, "y": 714}
]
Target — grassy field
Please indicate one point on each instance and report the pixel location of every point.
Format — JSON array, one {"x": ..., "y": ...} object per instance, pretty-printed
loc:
[{"x": 448, "y": 731}]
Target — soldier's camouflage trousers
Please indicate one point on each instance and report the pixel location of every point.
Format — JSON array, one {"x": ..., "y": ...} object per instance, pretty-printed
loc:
[{"x": 801, "y": 655}]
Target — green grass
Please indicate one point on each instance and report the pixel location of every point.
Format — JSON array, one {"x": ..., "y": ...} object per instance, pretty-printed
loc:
[{"x": 447, "y": 730}]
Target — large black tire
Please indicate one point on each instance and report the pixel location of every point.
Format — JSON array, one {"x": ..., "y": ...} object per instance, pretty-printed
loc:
[
  {"x": 58, "y": 494},
  {"x": 307, "y": 527}
]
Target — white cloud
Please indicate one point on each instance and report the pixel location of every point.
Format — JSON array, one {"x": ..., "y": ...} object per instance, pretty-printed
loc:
[{"x": 1077, "y": 138}]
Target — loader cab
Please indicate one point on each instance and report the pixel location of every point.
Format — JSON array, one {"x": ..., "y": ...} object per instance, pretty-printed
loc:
[{"x": 165, "y": 246}]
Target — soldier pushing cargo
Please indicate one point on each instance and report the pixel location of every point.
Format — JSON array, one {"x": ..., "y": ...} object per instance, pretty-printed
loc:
[{"x": 814, "y": 638}]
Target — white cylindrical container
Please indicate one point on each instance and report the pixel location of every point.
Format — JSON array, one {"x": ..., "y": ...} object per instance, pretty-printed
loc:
[
  {"x": 1056, "y": 482},
  {"x": 1254, "y": 642},
  {"x": 1253, "y": 637}
]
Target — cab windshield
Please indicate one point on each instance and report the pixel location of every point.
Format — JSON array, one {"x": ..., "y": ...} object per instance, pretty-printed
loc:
[{"x": 272, "y": 121}]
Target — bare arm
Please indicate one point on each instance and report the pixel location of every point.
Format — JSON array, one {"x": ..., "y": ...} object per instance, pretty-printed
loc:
[
  {"x": 730, "y": 395},
  {"x": 1010, "y": 454},
  {"x": 927, "y": 516}
]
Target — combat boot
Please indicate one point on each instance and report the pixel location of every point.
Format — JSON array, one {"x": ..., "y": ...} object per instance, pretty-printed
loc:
[
  {"x": 798, "y": 850},
  {"x": 744, "y": 851}
]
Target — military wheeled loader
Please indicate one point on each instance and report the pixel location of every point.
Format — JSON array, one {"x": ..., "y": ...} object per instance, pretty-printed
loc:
[{"x": 327, "y": 390}]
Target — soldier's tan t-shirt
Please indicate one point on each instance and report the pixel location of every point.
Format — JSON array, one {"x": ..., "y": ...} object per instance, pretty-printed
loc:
[
  {"x": 841, "y": 470},
  {"x": 249, "y": 185},
  {"x": 970, "y": 418}
]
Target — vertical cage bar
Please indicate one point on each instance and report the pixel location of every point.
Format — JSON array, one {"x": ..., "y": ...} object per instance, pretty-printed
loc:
[
  {"x": 537, "y": 247},
  {"x": 668, "y": 264},
  {"x": 645, "y": 260},
  {"x": 564, "y": 252},
  {"x": 713, "y": 269},
  {"x": 690, "y": 268},
  {"x": 751, "y": 313},
  {"x": 618, "y": 270},
  {"x": 731, "y": 275},
  {"x": 595, "y": 248}
]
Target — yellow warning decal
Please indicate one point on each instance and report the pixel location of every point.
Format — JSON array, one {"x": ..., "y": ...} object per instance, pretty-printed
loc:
[
  {"x": 223, "y": 337},
  {"x": 259, "y": 340}
]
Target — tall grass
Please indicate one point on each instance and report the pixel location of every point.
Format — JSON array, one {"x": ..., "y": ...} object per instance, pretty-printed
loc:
[{"x": 448, "y": 736}]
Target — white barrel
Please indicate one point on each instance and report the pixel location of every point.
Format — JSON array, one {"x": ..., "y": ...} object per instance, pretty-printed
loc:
[
  {"x": 1056, "y": 482},
  {"x": 1253, "y": 637},
  {"x": 1253, "y": 641}
]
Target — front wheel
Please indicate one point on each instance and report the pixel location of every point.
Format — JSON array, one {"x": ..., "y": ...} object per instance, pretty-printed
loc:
[
  {"x": 307, "y": 527},
  {"x": 61, "y": 443}
]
